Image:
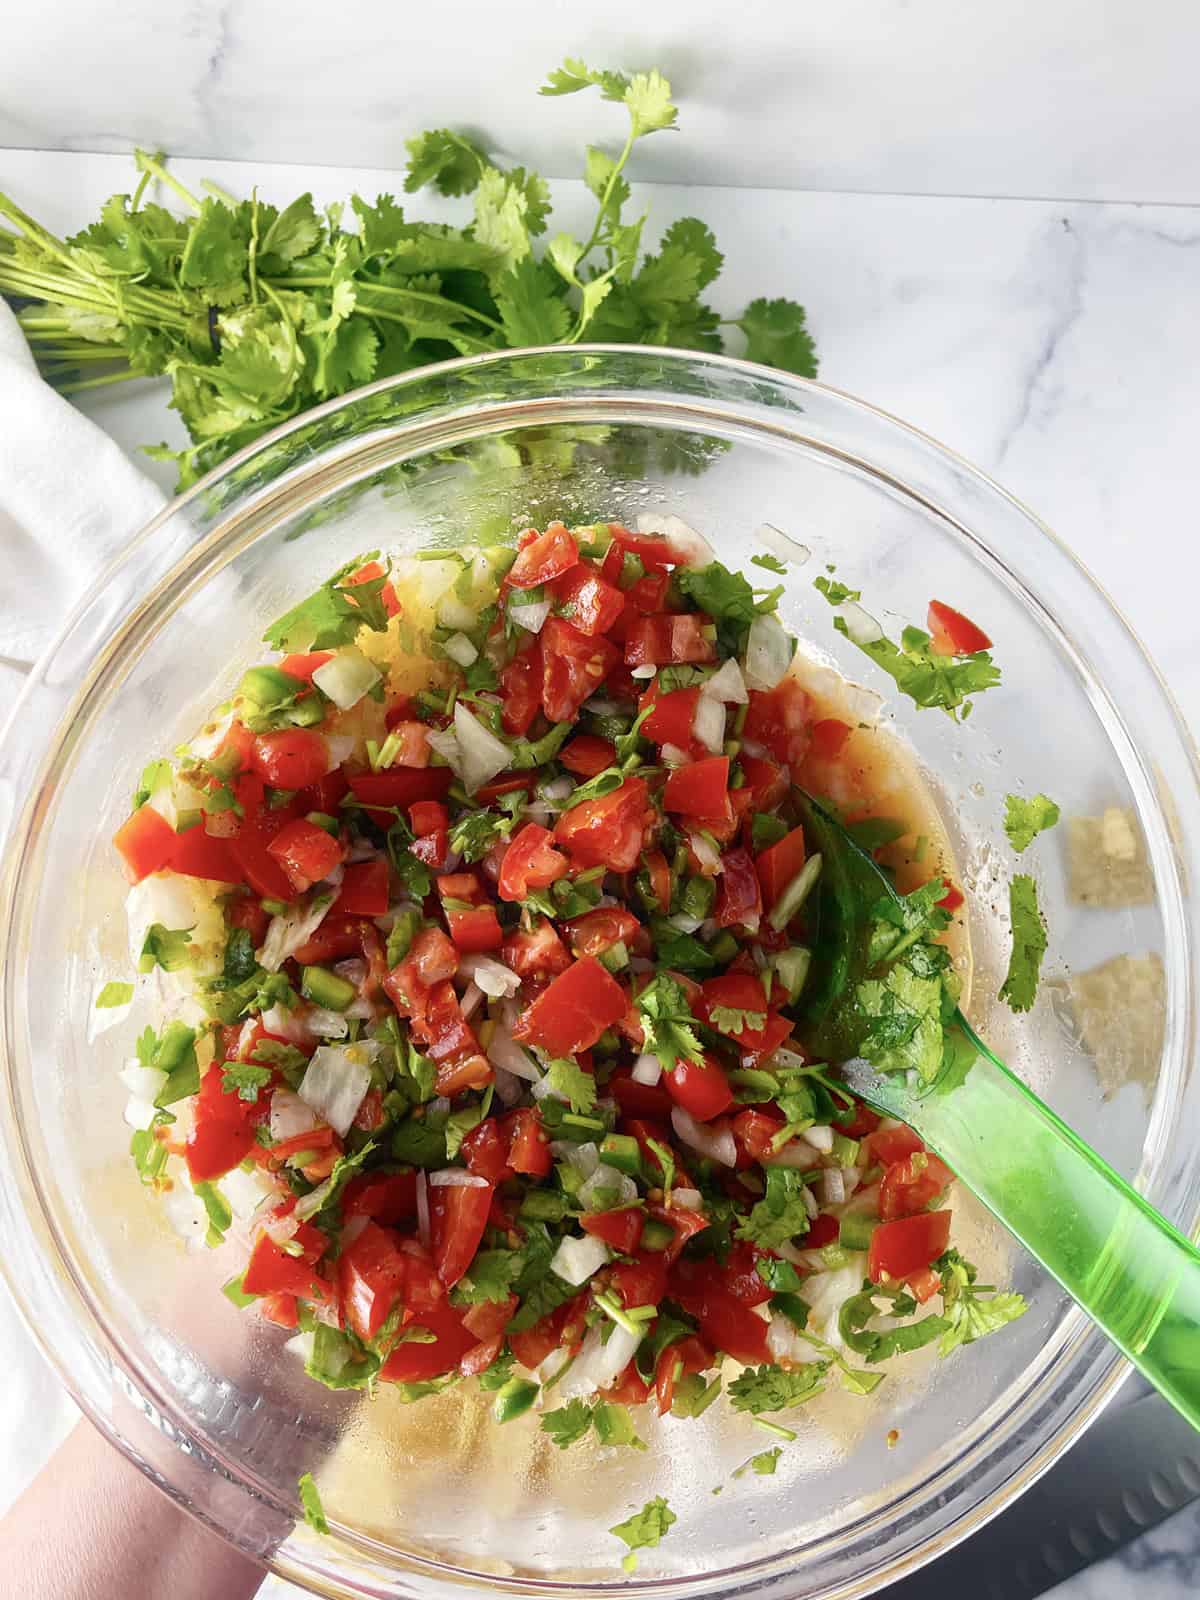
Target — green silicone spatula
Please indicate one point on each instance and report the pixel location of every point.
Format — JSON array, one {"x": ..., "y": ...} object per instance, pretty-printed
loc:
[{"x": 1134, "y": 1274}]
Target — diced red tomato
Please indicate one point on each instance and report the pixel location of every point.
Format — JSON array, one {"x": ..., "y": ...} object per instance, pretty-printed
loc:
[
  {"x": 888, "y": 1145},
  {"x": 387, "y": 595},
  {"x": 535, "y": 952},
  {"x": 303, "y": 666},
  {"x": 290, "y": 759},
  {"x": 863, "y": 1121},
  {"x": 272, "y": 1270},
  {"x": 608, "y": 831},
  {"x": 506, "y": 783},
  {"x": 655, "y": 552},
  {"x": 701, "y": 789},
  {"x": 371, "y": 1275},
  {"x": 521, "y": 688},
  {"x": 399, "y": 787},
  {"x": 573, "y": 668},
  {"x": 639, "y": 1099},
  {"x": 903, "y": 1247},
  {"x": 778, "y": 864},
  {"x": 565, "y": 1326},
  {"x": 576, "y": 1008},
  {"x": 630, "y": 1389},
  {"x": 740, "y": 1275},
  {"x": 490, "y": 1317},
  {"x": 458, "y": 1214},
  {"x": 222, "y": 1133},
  {"x": 754, "y": 1131},
  {"x": 597, "y": 931},
  {"x": 413, "y": 1362},
  {"x": 912, "y": 1184},
  {"x": 666, "y": 640},
  {"x": 684, "y": 1225},
  {"x": 739, "y": 898},
  {"x": 642, "y": 1281},
  {"x": 337, "y": 938},
  {"x": 764, "y": 780},
  {"x": 427, "y": 816},
  {"x": 279, "y": 1309},
  {"x": 779, "y": 719},
  {"x": 199, "y": 855},
  {"x": 485, "y": 1151},
  {"x": 388, "y": 1200},
  {"x": 725, "y": 1321},
  {"x": 305, "y": 852},
  {"x": 530, "y": 862},
  {"x": 258, "y": 826},
  {"x": 528, "y": 1149},
  {"x": 924, "y": 1285},
  {"x": 621, "y": 1229},
  {"x": 145, "y": 843},
  {"x": 647, "y": 595},
  {"x": 247, "y": 912},
  {"x": 432, "y": 848},
  {"x": 545, "y": 557},
  {"x": 829, "y": 737},
  {"x": 586, "y": 755},
  {"x": 475, "y": 930},
  {"x": 952, "y": 899},
  {"x": 364, "y": 891},
  {"x": 588, "y": 602},
  {"x": 822, "y": 1230},
  {"x": 672, "y": 718},
  {"x": 700, "y": 1088},
  {"x": 743, "y": 991},
  {"x": 952, "y": 634},
  {"x": 679, "y": 1360}
]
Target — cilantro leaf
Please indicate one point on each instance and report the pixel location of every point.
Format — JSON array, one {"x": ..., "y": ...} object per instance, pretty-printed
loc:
[
  {"x": 763, "y": 1464},
  {"x": 449, "y": 161},
  {"x": 929, "y": 679},
  {"x": 681, "y": 951},
  {"x": 644, "y": 1529},
  {"x": 239, "y": 963},
  {"x": 761, "y": 1389},
  {"x": 905, "y": 1015},
  {"x": 570, "y": 1082},
  {"x": 614, "y": 1425},
  {"x": 1019, "y": 988},
  {"x": 310, "y": 1500},
  {"x": 723, "y": 594},
  {"x": 165, "y": 948},
  {"x": 835, "y": 591},
  {"x": 1025, "y": 819},
  {"x": 668, "y": 1026},
  {"x": 333, "y": 614},
  {"x": 771, "y": 563},
  {"x": 857, "y": 1312},
  {"x": 781, "y": 1214},
  {"x": 489, "y": 1278},
  {"x": 777, "y": 336},
  {"x": 532, "y": 308},
  {"x": 569, "y": 1424},
  {"x": 114, "y": 994},
  {"x": 289, "y": 1062},
  {"x": 474, "y": 833},
  {"x": 730, "y": 1019},
  {"x": 970, "y": 1311},
  {"x": 244, "y": 1079}
]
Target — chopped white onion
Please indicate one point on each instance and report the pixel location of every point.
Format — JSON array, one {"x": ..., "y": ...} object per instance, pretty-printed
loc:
[
  {"x": 492, "y": 976},
  {"x": 456, "y": 1178},
  {"x": 708, "y": 724},
  {"x": 684, "y": 923},
  {"x": 244, "y": 1191},
  {"x": 504, "y": 1051},
  {"x": 673, "y": 756},
  {"x": 779, "y": 544},
  {"x": 609, "y": 1186},
  {"x": 210, "y": 739},
  {"x": 144, "y": 1083},
  {"x": 346, "y": 677},
  {"x": 600, "y": 707},
  {"x": 861, "y": 626},
  {"x": 727, "y": 684},
  {"x": 558, "y": 789},
  {"x": 324, "y": 1024},
  {"x": 290, "y": 1116},
  {"x": 647, "y": 671},
  {"x": 810, "y": 1203},
  {"x": 552, "y": 1365},
  {"x": 825, "y": 1293},
  {"x": 706, "y": 854},
  {"x": 459, "y": 648},
  {"x": 285, "y": 1024},
  {"x": 576, "y": 1260},
  {"x": 353, "y": 969},
  {"x": 784, "y": 1060},
  {"x": 821, "y": 1138},
  {"x": 851, "y": 1178},
  {"x": 682, "y": 535},
  {"x": 339, "y": 748},
  {"x": 599, "y": 1363},
  {"x": 787, "y": 1343},
  {"x": 455, "y": 613},
  {"x": 444, "y": 742},
  {"x": 689, "y": 1199},
  {"x": 440, "y": 1106},
  {"x": 482, "y": 754},
  {"x": 715, "y": 1143},
  {"x": 584, "y": 1158},
  {"x": 833, "y": 1188},
  {"x": 768, "y": 653},
  {"x": 335, "y": 1084},
  {"x": 531, "y": 616},
  {"x": 794, "y": 1154},
  {"x": 290, "y": 930},
  {"x": 646, "y": 1069},
  {"x": 139, "y": 1113},
  {"x": 301, "y": 1345},
  {"x": 423, "y": 1229},
  {"x": 472, "y": 999},
  {"x": 508, "y": 1089}
]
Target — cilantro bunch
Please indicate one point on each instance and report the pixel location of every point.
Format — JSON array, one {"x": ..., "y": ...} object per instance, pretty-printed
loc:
[{"x": 256, "y": 313}]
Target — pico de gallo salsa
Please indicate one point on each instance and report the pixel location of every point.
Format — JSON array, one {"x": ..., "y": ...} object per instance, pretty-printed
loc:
[{"x": 480, "y": 915}]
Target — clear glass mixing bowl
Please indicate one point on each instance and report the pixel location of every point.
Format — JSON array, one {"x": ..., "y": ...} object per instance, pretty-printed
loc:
[{"x": 432, "y": 1499}]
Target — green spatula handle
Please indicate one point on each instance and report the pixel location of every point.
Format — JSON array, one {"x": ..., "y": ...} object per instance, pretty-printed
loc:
[{"x": 1131, "y": 1271}]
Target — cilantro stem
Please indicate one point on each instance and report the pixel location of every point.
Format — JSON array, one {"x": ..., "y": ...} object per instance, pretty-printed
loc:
[
  {"x": 366, "y": 292},
  {"x": 153, "y": 165},
  {"x": 605, "y": 198},
  {"x": 96, "y": 383},
  {"x": 224, "y": 195}
]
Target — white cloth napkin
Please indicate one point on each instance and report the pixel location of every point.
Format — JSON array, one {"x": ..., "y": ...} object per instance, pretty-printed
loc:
[{"x": 69, "y": 499}]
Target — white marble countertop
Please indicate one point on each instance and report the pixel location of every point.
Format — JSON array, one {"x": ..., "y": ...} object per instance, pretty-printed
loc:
[{"x": 1055, "y": 344}]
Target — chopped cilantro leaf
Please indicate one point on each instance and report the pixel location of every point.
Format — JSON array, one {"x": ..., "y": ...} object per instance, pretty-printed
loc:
[
  {"x": 569, "y": 1424},
  {"x": 475, "y": 832},
  {"x": 680, "y": 951},
  {"x": 766, "y": 1388},
  {"x": 970, "y": 1311},
  {"x": 570, "y": 1082},
  {"x": 1025, "y": 819},
  {"x": 165, "y": 948},
  {"x": 244, "y": 1079},
  {"x": 644, "y": 1529},
  {"x": 490, "y": 1278},
  {"x": 333, "y": 615},
  {"x": 771, "y": 563},
  {"x": 763, "y": 1464},
  {"x": 1019, "y": 988},
  {"x": 667, "y": 1024},
  {"x": 728, "y": 1019},
  {"x": 836, "y": 592},
  {"x": 781, "y": 1214}
]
